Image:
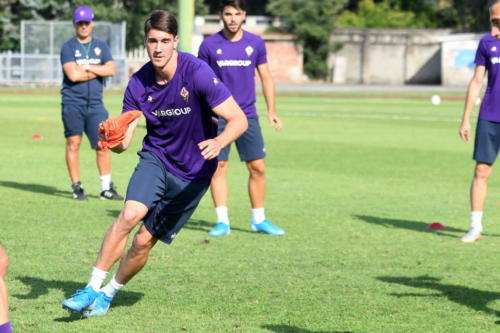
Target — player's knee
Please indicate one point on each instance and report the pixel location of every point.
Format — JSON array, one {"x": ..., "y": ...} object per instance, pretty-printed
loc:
[
  {"x": 143, "y": 242},
  {"x": 222, "y": 165},
  {"x": 257, "y": 170},
  {"x": 73, "y": 146},
  {"x": 482, "y": 171},
  {"x": 128, "y": 218}
]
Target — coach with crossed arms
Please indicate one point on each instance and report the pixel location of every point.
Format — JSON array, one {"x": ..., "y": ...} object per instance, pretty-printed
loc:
[{"x": 86, "y": 61}]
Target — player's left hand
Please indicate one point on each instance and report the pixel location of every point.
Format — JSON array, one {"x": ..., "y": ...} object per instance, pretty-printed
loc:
[
  {"x": 210, "y": 148},
  {"x": 275, "y": 121}
]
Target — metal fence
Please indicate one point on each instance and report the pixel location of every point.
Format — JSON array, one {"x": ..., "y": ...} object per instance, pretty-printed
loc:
[{"x": 39, "y": 60}]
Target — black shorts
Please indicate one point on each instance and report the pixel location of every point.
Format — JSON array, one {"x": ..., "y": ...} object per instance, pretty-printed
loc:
[
  {"x": 83, "y": 118},
  {"x": 170, "y": 200},
  {"x": 487, "y": 142},
  {"x": 250, "y": 144}
]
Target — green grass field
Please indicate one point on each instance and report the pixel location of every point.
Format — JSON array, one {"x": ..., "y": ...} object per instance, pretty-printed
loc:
[{"x": 354, "y": 181}]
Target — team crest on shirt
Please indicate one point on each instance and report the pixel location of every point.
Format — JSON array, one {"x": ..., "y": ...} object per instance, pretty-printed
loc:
[
  {"x": 185, "y": 94},
  {"x": 78, "y": 53},
  {"x": 216, "y": 81},
  {"x": 219, "y": 51},
  {"x": 494, "y": 49},
  {"x": 97, "y": 51},
  {"x": 249, "y": 50},
  {"x": 150, "y": 99}
]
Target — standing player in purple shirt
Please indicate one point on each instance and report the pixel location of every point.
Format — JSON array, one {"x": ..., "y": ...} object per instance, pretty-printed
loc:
[
  {"x": 180, "y": 97},
  {"x": 234, "y": 54},
  {"x": 487, "y": 141}
]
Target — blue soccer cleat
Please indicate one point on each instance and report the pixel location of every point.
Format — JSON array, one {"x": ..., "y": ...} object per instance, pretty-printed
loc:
[
  {"x": 220, "y": 229},
  {"x": 267, "y": 227},
  {"x": 82, "y": 299},
  {"x": 100, "y": 306}
]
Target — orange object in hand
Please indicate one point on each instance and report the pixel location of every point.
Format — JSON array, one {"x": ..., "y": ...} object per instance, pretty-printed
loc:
[{"x": 115, "y": 128}]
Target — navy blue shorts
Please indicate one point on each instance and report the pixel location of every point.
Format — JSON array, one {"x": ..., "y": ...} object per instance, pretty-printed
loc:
[
  {"x": 170, "y": 200},
  {"x": 487, "y": 141},
  {"x": 83, "y": 118},
  {"x": 250, "y": 144}
]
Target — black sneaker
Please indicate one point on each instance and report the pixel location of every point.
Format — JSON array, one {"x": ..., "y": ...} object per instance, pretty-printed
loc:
[
  {"x": 110, "y": 194},
  {"x": 78, "y": 193}
]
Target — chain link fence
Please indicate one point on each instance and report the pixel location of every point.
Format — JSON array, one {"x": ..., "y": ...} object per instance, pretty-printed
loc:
[{"x": 38, "y": 63}]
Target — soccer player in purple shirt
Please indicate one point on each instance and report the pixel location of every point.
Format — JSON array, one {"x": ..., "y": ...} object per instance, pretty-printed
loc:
[
  {"x": 234, "y": 54},
  {"x": 4, "y": 306},
  {"x": 487, "y": 141},
  {"x": 180, "y": 98},
  {"x": 86, "y": 61}
]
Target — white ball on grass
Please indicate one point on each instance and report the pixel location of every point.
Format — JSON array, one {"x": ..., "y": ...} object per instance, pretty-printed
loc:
[{"x": 435, "y": 100}]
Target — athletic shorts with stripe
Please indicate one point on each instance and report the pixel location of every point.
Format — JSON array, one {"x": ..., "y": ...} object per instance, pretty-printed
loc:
[
  {"x": 83, "y": 118},
  {"x": 487, "y": 142},
  {"x": 250, "y": 144},
  {"x": 170, "y": 200}
]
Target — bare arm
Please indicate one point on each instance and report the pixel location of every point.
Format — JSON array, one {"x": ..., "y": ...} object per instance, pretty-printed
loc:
[
  {"x": 237, "y": 123},
  {"x": 77, "y": 73},
  {"x": 473, "y": 91},
  {"x": 128, "y": 138},
  {"x": 108, "y": 69},
  {"x": 269, "y": 95}
]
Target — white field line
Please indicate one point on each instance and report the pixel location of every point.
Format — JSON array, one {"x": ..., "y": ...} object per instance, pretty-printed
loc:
[{"x": 367, "y": 116}]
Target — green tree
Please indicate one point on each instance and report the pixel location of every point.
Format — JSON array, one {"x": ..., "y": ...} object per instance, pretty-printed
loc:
[
  {"x": 132, "y": 11},
  {"x": 383, "y": 14},
  {"x": 12, "y": 12},
  {"x": 462, "y": 15},
  {"x": 312, "y": 21}
]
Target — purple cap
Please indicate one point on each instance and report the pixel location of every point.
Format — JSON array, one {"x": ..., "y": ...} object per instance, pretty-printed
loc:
[{"x": 83, "y": 13}]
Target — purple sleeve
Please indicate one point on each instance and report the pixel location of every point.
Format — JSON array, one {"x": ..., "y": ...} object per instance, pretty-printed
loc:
[
  {"x": 203, "y": 52},
  {"x": 209, "y": 86},
  {"x": 66, "y": 54},
  {"x": 134, "y": 88},
  {"x": 481, "y": 55},
  {"x": 261, "y": 53}
]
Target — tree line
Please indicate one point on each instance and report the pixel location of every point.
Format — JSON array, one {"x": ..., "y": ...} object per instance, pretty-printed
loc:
[{"x": 312, "y": 21}]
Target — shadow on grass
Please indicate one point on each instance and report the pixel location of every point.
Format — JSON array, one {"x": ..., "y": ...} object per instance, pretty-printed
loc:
[
  {"x": 419, "y": 226},
  {"x": 206, "y": 226},
  {"x": 38, "y": 188},
  {"x": 40, "y": 287},
  {"x": 199, "y": 225},
  {"x": 293, "y": 329},
  {"x": 473, "y": 298},
  {"x": 113, "y": 212}
]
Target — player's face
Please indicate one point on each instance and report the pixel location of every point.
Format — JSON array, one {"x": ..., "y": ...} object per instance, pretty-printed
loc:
[
  {"x": 160, "y": 46},
  {"x": 84, "y": 29},
  {"x": 495, "y": 20},
  {"x": 232, "y": 18}
]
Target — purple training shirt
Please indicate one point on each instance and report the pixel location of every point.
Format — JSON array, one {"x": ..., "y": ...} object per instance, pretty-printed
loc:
[
  {"x": 488, "y": 55},
  {"x": 235, "y": 63},
  {"x": 178, "y": 115}
]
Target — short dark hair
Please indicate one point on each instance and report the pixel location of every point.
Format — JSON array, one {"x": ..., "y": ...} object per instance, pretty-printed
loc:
[
  {"x": 491, "y": 3},
  {"x": 161, "y": 20},
  {"x": 241, "y": 4}
]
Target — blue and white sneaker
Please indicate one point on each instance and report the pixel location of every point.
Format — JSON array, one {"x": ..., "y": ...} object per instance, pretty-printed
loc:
[
  {"x": 81, "y": 299},
  {"x": 100, "y": 306},
  {"x": 220, "y": 229},
  {"x": 267, "y": 227}
]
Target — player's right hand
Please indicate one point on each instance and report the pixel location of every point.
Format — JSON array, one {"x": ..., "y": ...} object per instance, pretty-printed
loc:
[{"x": 464, "y": 131}]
